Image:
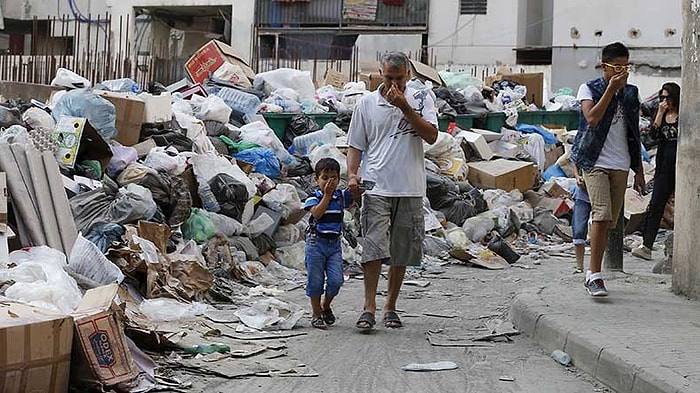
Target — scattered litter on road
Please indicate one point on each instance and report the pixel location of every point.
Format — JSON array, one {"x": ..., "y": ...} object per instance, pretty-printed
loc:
[{"x": 437, "y": 366}]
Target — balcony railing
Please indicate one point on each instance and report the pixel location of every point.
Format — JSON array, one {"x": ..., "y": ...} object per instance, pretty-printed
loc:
[{"x": 336, "y": 13}]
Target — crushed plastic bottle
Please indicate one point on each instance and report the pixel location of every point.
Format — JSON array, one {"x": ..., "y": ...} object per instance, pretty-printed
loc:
[{"x": 208, "y": 348}]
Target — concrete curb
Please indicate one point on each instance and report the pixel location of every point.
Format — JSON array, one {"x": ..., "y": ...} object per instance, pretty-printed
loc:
[{"x": 611, "y": 363}]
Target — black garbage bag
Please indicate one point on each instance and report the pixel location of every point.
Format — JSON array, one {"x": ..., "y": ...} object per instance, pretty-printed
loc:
[
  {"x": 300, "y": 167},
  {"x": 453, "y": 98},
  {"x": 298, "y": 125},
  {"x": 342, "y": 120},
  {"x": 9, "y": 117},
  {"x": 171, "y": 194},
  {"x": 230, "y": 194},
  {"x": 444, "y": 196},
  {"x": 498, "y": 245}
]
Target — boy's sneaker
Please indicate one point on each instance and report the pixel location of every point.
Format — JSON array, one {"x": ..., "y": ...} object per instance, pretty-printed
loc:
[
  {"x": 642, "y": 252},
  {"x": 596, "y": 287}
]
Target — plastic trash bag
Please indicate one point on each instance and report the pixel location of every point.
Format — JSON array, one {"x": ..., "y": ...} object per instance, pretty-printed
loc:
[
  {"x": 84, "y": 103},
  {"x": 104, "y": 234},
  {"x": 39, "y": 119},
  {"x": 287, "y": 235},
  {"x": 206, "y": 167},
  {"x": 262, "y": 135},
  {"x": 198, "y": 227},
  {"x": 226, "y": 225},
  {"x": 287, "y": 99},
  {"x": 435, "y": 246},
  {"x": 303, "y": 144},
  {"x": 40, "y": 280},
  {"x": 331, "y": 151},
  {"x": 88, "y": 260},
  {"x": 122, "y": 85},
  {"x": 499, "y": 198},
  {"x": 283, "y": 199},
  {"x": 292, "y": 256},
  {"x": 457, "y": 237},
  {"x": 69, "y": 79},
  {"x": 122, "y": 156},
  {"x": 210, "y": 108},
  {"x": 171, "y": 194},
  {"x": 299, "y": 125},
  {"x": 15, "y": 134},
  {"x": 270, "y": 314},
  {"x": 166, "y": 310},
  {"x": 479, "y": 226},
  {"x": 263, "y": 159},
  {"x": 230, "y": 194},
  {"x": 166, "y": 159},
  {"x": 299, "y": 81}
]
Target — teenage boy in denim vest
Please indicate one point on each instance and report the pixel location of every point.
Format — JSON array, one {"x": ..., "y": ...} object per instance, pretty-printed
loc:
[{"x": 608, "y": 148}]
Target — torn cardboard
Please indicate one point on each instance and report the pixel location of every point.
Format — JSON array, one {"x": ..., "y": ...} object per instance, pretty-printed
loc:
[
  {"x": 503, "y": 174},
  {"x": 534, "y": 83},
  {"x": 130, "y": 112},
  {"x": 425, "y": 73},
  {"x": 35, "y": 349},
  {"x": 100, "y": 342},
  {"x": 78, "y": 141},
  {"x": 210, "y": 57},
  {"x": 335, "y": 78}
]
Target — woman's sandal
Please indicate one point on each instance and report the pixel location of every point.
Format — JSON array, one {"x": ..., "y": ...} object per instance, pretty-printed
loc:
[
  {"x": 328, "y": 316},
  {"x": 319, "y": 323},
  {"x": 366, "y": 321}
]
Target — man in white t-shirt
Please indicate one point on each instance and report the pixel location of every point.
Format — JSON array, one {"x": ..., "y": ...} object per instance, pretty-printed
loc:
[
  {"x": 609, "y": 145},
  {"x": 386, "y": 134}
]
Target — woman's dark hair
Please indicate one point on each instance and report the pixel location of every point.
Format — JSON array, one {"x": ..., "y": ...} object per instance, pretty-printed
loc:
[
  {"x": 611, "y": 51},
  {"x": 674, "y": 93},
  {"x": 326, "y": 164}
]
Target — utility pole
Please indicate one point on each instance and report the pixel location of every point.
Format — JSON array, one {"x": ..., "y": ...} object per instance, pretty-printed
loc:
[{"x": 686, "y": 242}]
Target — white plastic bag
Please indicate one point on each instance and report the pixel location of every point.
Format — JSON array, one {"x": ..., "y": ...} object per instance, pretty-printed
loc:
[
  {"x": 164, "y": 309},
  {"x": 331, "y": 151},
  {"x": 40, "y": 280},
  {"x": 206, "y": 166},
  {"x": 210, "y": 108},
  {"x": 38, "y": 119},
  {"x": 479, "y": 226},
  {"x": 499, "y": 198},
  {"x": 283, "y": 199},
  {"x": 446, "y": 146},
  {"x": 70, "y": 79},
  {"x": 87, "y": 260},
  {"x": 270, "y": 314},
  {"x": 262, "y": 135},
  {"x": 292, "y": 256},
  {"x": 167, "y": 159},
  {"x": 299, "y": 81},
  {"x": 258, "y": 225},
  {"x": 287, "y": 235},
  {"x": 225, "y": 224}
]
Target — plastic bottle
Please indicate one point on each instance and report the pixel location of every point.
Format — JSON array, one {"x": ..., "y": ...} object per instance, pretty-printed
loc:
[
  {"x": 561, "y": 357},
  {"x": 208, "y": 348},
  {"x": 302, "y": 143},
  {"x": 239, "y": 100}
]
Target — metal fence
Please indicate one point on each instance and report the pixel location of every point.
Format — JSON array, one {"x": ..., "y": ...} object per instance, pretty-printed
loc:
[{"x": 341, "y": 13}]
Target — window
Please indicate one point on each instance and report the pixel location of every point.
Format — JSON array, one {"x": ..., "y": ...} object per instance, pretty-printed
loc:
[{"x": 472, "y": 7}]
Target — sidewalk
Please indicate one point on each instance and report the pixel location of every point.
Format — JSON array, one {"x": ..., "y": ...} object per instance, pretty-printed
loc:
[{"x": 641, "y": 338}]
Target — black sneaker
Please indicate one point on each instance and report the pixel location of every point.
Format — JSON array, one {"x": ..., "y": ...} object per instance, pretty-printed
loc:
[{"x": 596, "y": 288}]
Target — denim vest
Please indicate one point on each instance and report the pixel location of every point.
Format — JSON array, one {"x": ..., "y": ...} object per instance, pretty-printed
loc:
[{"x": 587, "y": 145}]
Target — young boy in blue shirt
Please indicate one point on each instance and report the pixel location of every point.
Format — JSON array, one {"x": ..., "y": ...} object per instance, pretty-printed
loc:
[{"x": 324, "y": 256}]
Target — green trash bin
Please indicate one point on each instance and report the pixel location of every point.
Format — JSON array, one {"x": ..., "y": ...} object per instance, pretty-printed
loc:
[
  {"x": 494, "y": 121},
  {"x": 278, "y": 122},
  {"x": 570, "y": 119},
  {"x": 323, "y": 118}
]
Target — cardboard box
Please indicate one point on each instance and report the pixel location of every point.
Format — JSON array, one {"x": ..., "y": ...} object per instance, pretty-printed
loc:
[
  {"x": 554, "y": 190},
  {"x": 478, "y": 143},
  {"x": 372, "y": 81},
  {"x": 130, "y": 111},
  {"x": 503, "y": 174},
  {"x": 504, "y": 149},
  {"x": 35, "y": 349},
  {"x": 78, "y": 140},
  {"x": 534, "y": 83},
  {"x": 335, "y": 78},
  {"x": 210, "y": 57},
  {"x": 424, "y": 72},
  {"x": 552, "y": 155},
  {"x": 157, "y": 108},
  {"x": 100, "y": 339},
  {"x": 635, "y": 209},
  {"x": 557, "y": 206}
]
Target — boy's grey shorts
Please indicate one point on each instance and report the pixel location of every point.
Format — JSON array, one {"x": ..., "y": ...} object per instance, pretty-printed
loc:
[{"x": 393, "y": 229}]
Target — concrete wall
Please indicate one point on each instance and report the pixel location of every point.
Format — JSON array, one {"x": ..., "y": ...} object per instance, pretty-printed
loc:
[
  {"x": 474, "y": 39},
  {"x": 652, "y": 29}
]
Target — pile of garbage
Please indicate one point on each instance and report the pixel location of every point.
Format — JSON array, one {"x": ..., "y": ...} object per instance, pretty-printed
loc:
[{"x": 131, "y": 212}]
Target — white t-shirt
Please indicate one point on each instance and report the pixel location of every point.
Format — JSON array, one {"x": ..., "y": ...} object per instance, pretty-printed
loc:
[
  {"x": 393, "y": 152},
  {"x": 615, "y": 153}
]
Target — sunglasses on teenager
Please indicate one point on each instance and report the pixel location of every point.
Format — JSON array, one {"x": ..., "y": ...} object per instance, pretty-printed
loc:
[{"x": 618, "y": 68}]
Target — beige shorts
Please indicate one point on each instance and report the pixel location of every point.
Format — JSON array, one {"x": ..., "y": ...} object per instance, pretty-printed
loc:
[
  {"x": 393, "y": 229},
  {"x": 606, "y": 190}
]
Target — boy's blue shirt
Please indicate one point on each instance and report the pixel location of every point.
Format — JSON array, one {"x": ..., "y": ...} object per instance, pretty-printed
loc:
[{"x": 331, "y": 222}]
